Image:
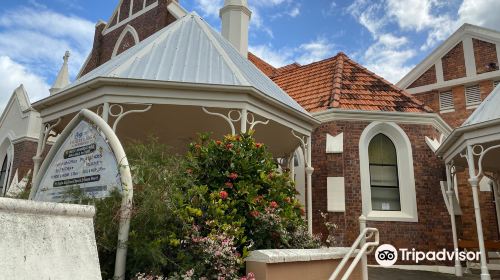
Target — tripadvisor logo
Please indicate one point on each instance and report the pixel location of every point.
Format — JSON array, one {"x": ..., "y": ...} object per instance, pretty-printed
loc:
[{"x": 387, "y": 255}]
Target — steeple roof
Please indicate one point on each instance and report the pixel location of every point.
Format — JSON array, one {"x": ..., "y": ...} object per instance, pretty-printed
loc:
[{"x": 189, "y": 51}]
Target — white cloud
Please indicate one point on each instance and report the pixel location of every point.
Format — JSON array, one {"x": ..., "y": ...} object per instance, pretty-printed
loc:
[
  {"x": 294, "y": 12},
  {"x": 33, "y": 41},
  {"x": 480, "y": 12},
  {"x": 209, "y": 7},
  {"x": 388, "y": 57},
  {"x": 306, "y": 53},
  {"x": 14, "y": 74}
]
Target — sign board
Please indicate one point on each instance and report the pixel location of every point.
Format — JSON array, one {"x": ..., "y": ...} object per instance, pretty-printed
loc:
[{"x": 84, "y": 161}]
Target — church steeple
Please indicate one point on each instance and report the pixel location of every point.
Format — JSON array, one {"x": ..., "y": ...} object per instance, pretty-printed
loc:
[{"x": 62, "y": 79}]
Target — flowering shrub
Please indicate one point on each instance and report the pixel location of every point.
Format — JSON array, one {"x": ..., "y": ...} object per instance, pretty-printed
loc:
[{"x": 197, "y": 216}]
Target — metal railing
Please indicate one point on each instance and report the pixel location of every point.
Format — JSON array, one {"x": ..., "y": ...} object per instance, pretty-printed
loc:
[{"x": 366, "y": 248}]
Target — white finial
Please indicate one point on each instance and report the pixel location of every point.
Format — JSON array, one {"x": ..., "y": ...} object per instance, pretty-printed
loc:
[{"x": 62, "y": 79}]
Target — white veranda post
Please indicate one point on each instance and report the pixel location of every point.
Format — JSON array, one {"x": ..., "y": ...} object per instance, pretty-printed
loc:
[
  {"x": 474, "y": 182},
  {"x": 305, "y": 145},
  {"x": 125, "y": 177},
  {"x": 450, "y": 193}
]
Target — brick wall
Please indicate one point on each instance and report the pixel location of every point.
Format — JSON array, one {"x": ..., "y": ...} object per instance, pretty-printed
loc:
[
  {"x": 484, "y": 54},
  {"x": 145, "y": 25},
  {"x": 428, "y": 78},
  {"x": 433, "y": 229},
  {"x": 454, "y": 63},
  {"x": 23, "y": 157},
  {"x": 461, "y": 113}
]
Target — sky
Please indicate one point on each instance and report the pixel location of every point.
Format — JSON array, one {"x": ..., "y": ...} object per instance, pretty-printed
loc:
[{"x": 389, "y": 37}]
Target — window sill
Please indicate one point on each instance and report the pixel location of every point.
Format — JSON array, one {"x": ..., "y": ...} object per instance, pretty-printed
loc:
[
  {"x": 447, "y": 111},
  {"x": 391, "y": 216}
]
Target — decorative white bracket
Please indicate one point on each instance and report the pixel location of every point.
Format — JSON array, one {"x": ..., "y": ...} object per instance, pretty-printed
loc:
[
  {"x": 240, "y": 116},
  {"x": 121, "y": 113}
]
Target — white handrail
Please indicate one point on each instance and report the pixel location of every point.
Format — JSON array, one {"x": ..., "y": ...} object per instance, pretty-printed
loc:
[{"x": 366, "y": 248}]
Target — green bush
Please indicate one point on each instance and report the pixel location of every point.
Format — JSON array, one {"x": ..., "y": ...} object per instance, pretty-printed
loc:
[{"x": 196, "y": 216}]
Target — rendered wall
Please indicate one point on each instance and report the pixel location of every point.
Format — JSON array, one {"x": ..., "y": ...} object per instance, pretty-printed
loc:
[{"x": 47, "y": 241}]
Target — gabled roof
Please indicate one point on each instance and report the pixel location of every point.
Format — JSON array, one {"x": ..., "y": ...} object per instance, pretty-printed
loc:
[
  {"x": 190, "y": 51},
  {"x": 487, "y": 111},
  {"x": 465, "y": 30},
  {"x": 339, "y": 82}
]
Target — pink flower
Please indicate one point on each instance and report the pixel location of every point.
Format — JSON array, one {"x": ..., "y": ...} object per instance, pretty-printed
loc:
[
  {"x": 223, "y": 195},
  {"x": 233, "y": 176},
  {"x": 229, "y": 185},
  {"x": 254, "y": 213},
  {"x": 229, "y": 146},
  {"x": 273, "y": 204}
]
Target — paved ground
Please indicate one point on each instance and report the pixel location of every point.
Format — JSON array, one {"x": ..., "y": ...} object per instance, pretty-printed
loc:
[{"x": 397, "y": 274}]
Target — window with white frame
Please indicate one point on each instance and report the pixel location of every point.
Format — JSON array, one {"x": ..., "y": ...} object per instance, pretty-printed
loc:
[
  {"x": 446, "y": 102},
  {"x": 472, "y": 95},
  {"x": 387, "y": 175},
  {"x": 384, "y": 181}
]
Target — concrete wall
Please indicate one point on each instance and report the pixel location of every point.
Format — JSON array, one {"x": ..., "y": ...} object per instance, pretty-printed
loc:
[{"x": 47, "y": 241}]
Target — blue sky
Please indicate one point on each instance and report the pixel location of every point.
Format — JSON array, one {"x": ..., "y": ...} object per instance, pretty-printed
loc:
[{"x": 387, "y": 36}]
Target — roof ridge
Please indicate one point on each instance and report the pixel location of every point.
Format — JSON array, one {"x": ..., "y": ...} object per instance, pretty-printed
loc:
[
  {"x": 337, "y": 81},
  {"x": 394, "y": 87}
]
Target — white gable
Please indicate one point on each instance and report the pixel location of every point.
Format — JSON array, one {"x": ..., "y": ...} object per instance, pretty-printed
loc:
[
  {"x": 464, "y": 34},
  {"x": 18, "y": 119}
]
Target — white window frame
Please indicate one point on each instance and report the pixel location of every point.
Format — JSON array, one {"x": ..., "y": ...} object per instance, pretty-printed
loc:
[
  {"x": 472, "y": 101},
  {"x": 446, "y": 109},
  {"x": 406, "y": 176}
]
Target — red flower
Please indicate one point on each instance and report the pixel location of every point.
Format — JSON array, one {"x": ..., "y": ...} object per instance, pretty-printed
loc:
[
  {"x": 229, "y": 146},
  {"x": 254, "y": 213},
  {"x": 189, "y": 171},
  {"x": 197, "y": 146},
  {"x": 218, "y": 142},
  {"x": 258, "y": 145},
  {"x": 223, "y": 195},
  {"x": 233, "y": 176},
  {"x": 229, "y": 185},
  {"x": 287, "y": 199},
  {"x": 258, "y": 198},
  {"x": 238, "y": 138},
  {"x": 273, "y": 204},
  {"x": 302, "y": 211}
]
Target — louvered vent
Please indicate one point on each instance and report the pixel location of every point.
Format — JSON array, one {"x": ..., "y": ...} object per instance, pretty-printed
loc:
[
  {"x": 472, "y": 95},
  {"x": 446, "y": 101}
]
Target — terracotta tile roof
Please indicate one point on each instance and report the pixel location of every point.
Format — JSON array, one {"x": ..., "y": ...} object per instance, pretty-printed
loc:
[
  {"x": 265, "y": 67},
  {"x": 339, "y": 82}
]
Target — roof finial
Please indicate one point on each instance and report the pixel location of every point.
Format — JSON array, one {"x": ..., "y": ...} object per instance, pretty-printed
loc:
[{"x": 62, "y": 79}]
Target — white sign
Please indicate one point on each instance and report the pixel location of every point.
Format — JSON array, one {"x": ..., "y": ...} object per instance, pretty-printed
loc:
[{"x": 84, "y": 161}]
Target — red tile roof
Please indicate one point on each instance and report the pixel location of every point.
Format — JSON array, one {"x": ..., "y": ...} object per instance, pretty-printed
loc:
[
  {"x": 339, "y": 82},
  {"x": 265, "y": 67}
]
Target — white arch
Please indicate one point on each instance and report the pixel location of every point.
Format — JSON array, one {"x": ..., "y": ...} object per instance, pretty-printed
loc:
[
  {"x": 406, "y": 175},
  {"x": 127, "y": 29},
  {"x": 6, "y": 149}
]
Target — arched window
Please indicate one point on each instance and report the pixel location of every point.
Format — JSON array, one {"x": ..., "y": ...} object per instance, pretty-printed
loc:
[
  {"x": 384, "y": 181},
  {"x": 3, "y": 176},
  {"x": 387, "y": 176}
]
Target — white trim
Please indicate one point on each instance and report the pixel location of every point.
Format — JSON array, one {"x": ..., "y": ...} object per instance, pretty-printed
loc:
[
  {"x": 472, "y": 30},
  {"x": 439, "y": 71},
  {"x": 470, "y": 61},
  {"x": 406, "y": 175},
  {"x": 432, "y": 119},
  {"x": 127, "y": 29},
  {"x": 119, "y": 23},
  {"x": 493, "y": 75}
]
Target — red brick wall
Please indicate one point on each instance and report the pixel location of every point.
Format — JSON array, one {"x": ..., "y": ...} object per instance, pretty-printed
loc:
[
  {"x": 145, "y": 25},
  {"x": 23, "y": 157},
  {"x": 461, "y": 113},
  {"x": 484, "y": 54},
  {"x": 454, "y": 63},
  {"x": 433, "y": 228},
  {"x": 428, "y": 78},
  {"x": 127, "y": 42}
]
